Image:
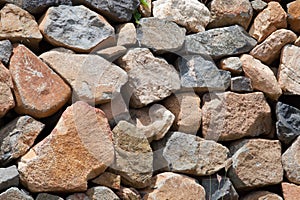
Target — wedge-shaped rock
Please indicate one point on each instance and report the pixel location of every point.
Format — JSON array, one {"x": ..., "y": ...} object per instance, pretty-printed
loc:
[{"x": 78, "y": 149}]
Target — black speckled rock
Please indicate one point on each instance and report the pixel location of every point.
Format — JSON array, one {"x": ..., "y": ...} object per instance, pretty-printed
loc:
[
  {"x": 241, "y": 84},
  {"x": 5, "y": 51}
]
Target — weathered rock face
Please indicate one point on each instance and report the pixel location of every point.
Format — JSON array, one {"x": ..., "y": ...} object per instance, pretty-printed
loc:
[
  {"x": 15, "y": 193},
  {"x": 231, "y": 12},
  {"x": 269, "y": 50},
  {"x": 84, "y": 135},
  {"x": 190, "y": 154},
  {"x": 269, "y": 20},
  {"x": 18, "y": 25},
  {"x": 92, "y": 78},
  {"x": 261, "y": 195},
  {"x": 201, "y": 73},
  {"x": 145, "y": 84},
  {"x": 5, "y": 51},
  {"x": 289, "y": 70},
  {"x": 288, "y": 118},
  {"x": 290, "y": 191},
  {"x": 75, "y": 27},
  {"x": 262, "y": 77},
  {"x": 44, "y": 196},
  {"x": 6, "y": 97},
  {"x": 291, "y": 162},
  {"x": 241, "y": 84},
  {"x": 229, "y": 116},
  {"x": 126, "y": 35},
  {"x": 17, "y": 137},
  {"x": 191, "y": 14},
  {"x": 9, "y": 177},
  {"x": 160, "y": 35},
  {"x": 120, "y": 11},
  {"x": 252, "y": 156},
  {"x": 293, "y": 10},
  {"x": 232, "y": 64},
  {"x": 101, "y": 192},
  {"x": 32, "y": 78},
  {"x": 169, "y": 185},
  {"x": 220, "y": 42},
  {"x": 109, "y": 180}
]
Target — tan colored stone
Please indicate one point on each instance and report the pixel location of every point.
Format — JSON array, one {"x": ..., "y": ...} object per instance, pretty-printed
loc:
[
  {"x": 262, "y": 195},
  {"x": 230, "y": 116},
  {"x": 39, "y": 91},
  {"x": 186, "y": 108},
  {"x": 169, "y": 185},
  {"x": 267, "y": 21},
  {"x": 290, "y": 191},
  {"x": 18, "y": 25},
  {"x": 269, "y": 50},
  {"x": 101, "y": 192},
  {"x": 232, "y": 64},
  {"x": 293, "y": 10},
  {"x": 289, "y": 70},
  {"x": 128, "y": 194},
  {"x": 126, "y": 35},
  {"x": 262, "y": 77},
  {"x": 6, "y": 99},
  {"x": 109, "y": 180},
  {"x": 112, "y": 53},
  {"x": 255, "y": 163},
  {"x": 78, "y": 149}
]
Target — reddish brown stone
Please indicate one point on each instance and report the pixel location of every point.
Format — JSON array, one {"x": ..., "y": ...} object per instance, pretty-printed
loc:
[
  {"x": 293, "y": 10},
  {"x": 290, "y": 191}
]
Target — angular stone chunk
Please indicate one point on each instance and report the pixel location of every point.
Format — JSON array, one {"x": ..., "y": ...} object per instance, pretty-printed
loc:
[
  {"x": 230, "y": 12},
  {"x": 101, "y": 192},
  {"x": 293, "y": 10},
  {"x": 267, "y": 21},
  {"x": 290, "y": 191},
  {"x": 92, "y": 78},
  {"x": 109, "y": 180},
  {"x": 269, "y": 50},
  {"x": 18, "y": 25},
  {"x": 5, "y": 51},
  {"x": 191, "y": 14},
  {"x": 83, "y": 134},
  {"x": 5, "y": 76},
  {"x": 133, "y": 155},
  {"x": 45, "y": 196},
  {"x": 17, "y": 137},
  {"x": 232, "y": 64},
  {"x": 112, "y": 53},
  {"x": 128, "y": 194},
  {"x": 170, "y": 185},
  {"x": 258, "y": 5},
  {"x": 126, "y": 35},
  {"x": 289, "y": 70},
  {"x": 9, "y": 177},
  {"x": 160, "y": 35},
  {"x": 146, "y": 83},
  {"x": 291, "y": 162},
  {"x": 6, "y": 99},
  {"x": 15, "y": 194},
  {"x": 75, "y": 27},
  {"x": 241, "y": 84},
  {"x": 262, "y": 77},
  {"x": 220, "y": 42},
  {"x": 261, "y": 195},
  {"x": 255, "y": 163},
  {"x": 190, "y": 154},
  {"x": 33, "y": 78}
]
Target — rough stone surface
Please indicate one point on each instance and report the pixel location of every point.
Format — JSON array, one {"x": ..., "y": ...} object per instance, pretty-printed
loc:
[
  {"x": 33, "y": 78},
  {"x": 84, "y": 135},
  {"x": 170, "y": 185},
  {"x": 291, "y": 162},
  {"x": 241, "y": 84},
  {"x": 9, "y": 177},
  {"x": 120, "y": 11},
  {"x": 267, "y": 21},
  {"x": 145, "y": 84},
  {"x": 287, "y": 125},
  {"x": 75, "y": 27},
  {"x": 255, "y": 163},
  {"x": 109, "y": 180},
  {"x": 201, "y": 73},
  {"x": 5, "y": 51},
  {"x": 133, "y": 155},
  {"x": 258, "y": 5},
  {"x": 269, "y": 50},
  {"x": 297, "y": 42},
  {"x": 126, "y": 35},
  {"x": 186, "y": 108},
  {"x": 17, "y": 137},
  {"x": 230, "y": 12},
  {"x": 18, "y": 25},
  {"x": 191, "y": 14},
  {"x": 101, "y": 192},
  {"x": 45, "y": 196},
  {"x": 92, "y": 78},
  {"x": 6, "y": 99},
  {"x": 128, "y": 194},
  {"x": 232, "y": 64},
  {"x": 112, "y": 53},
  {"x": 220, "y": 42},
  {"x": 5, "y": 76},
  {"x": 160, "y": 35},
  {"x": 290, "y": 191},
  {"x": 262, "y": 77},
  {"x": 15, "y": 194},
  {"x": 293, "y": 10},
  {"x": 78, "y": 196},
  {"x": 229, "y": 116},
  {"x": 191, "y": 154},
  {"x": 259, "y": 195},
  {"x": 289, "y": 70}
]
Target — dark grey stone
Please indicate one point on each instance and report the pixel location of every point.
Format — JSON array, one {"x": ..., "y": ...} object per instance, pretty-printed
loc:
[
  {"x": 220, "y": 42},
  {"x": 9, "y": 177},
  {"x": 14, "y": 194},
  {"x": 288, "y": 122},
  {"x": 201, "y": 73},
  {"x": 116, "y": 10},
  {"x": 45, "y": 196},
  {"x": 5, "y": 51},
  {"x": 241, "y": 84}
]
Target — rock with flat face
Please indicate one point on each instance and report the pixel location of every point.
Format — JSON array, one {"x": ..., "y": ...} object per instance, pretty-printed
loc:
[
  {"x": 241, "y": 84},
  {"x": 109, "y": 180},
  {"x": 83, "y": 134},
  {"x": 220, "y": 42},
  {"x": 15, "y": 193},
  {"x": 293, "y": 10},
  {"x": 232, "y": 64},
  {"x": 5, "y": 51},
  {"x": 145, "y": 81},
  {"x": 92, "y": 78},
  {"x": 261, "y": 195},
  {"x": 101, "y": 192},
  {"x": 33, "y": 78},
  {"x": 76, "y": 28},
  {"x": 9, "y": 177},
  {"x": 230, "y": 116},
  {"x": 191, "y": 14},
  {"x": 290, "y": 191},
  {"x": 126, "y": 35}
]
